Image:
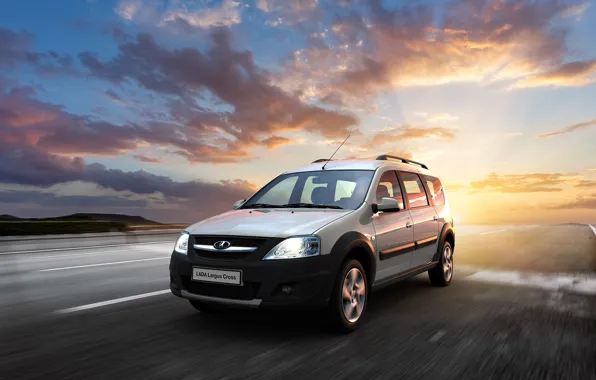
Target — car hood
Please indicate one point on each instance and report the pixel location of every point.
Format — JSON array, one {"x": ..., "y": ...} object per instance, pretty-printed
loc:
[{"x": 279, "y": 223}]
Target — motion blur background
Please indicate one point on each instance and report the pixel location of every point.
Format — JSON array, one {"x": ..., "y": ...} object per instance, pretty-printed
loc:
[{"x": 171, "y": 110}]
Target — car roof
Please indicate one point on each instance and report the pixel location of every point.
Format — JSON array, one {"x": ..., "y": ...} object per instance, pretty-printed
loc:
[{"x": 363, "y": 164}]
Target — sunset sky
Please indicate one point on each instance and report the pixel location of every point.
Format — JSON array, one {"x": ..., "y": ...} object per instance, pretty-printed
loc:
[{"x": 175, "y": 109}]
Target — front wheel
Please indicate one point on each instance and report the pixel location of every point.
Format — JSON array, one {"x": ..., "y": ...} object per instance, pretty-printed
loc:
[
  {"x": 350, "y": 297},
  {"x": 441, "y": 274}
]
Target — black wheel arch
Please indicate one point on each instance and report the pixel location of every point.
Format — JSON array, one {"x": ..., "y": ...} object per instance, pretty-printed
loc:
[
  {"x": 356, "y": 245},
  {"x": 447, "y": 234}
]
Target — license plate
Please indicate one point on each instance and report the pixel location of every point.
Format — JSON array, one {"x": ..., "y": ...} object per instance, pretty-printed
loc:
[{"x": 232, "y": 277}]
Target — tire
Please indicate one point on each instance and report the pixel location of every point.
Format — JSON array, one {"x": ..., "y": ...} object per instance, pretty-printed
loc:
[
  {"x": 205, "y": 307},
  {"x": 353, "y": 278},
  {"x": 442, "y": 274}
]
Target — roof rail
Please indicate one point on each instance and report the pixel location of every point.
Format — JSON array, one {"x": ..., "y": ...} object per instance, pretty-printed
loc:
[
  {"x": 320, "y": 160},
  {"x": 385, "y": 157}
]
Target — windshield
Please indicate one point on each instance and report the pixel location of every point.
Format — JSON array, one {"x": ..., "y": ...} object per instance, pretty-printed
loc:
[{"x": 340, "y": 189}]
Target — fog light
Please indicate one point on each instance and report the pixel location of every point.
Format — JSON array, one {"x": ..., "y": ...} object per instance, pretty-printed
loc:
[{"x": 286, "y": 289}]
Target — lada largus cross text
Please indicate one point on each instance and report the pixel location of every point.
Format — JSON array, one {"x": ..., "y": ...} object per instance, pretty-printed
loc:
[{"x": 320, "y": 236}]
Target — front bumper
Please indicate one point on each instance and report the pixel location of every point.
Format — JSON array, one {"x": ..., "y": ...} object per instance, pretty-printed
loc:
[{"x": 310, "y": 281}]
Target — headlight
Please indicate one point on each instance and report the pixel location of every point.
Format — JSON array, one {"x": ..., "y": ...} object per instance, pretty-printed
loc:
[
  {"x": 295, "y": 248},
  {"x": 182, "y": 243}
]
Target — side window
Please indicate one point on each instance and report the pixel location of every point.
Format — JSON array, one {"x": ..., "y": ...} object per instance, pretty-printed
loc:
[
  {"x": 436, "y": 189},
  {"x": 280, "y": 193},
  {"x": 414, "y": 190},
  {"x": 388, "y": 187}
]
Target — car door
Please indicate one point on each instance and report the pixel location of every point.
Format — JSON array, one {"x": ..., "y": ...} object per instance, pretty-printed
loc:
[
  {"x": 394, "y": 232},
  {"x": 424, "y": 217}
]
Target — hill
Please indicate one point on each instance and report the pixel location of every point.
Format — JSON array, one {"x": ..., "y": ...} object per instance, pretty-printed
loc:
[
  {"x": 8, "y": 217},
  {"x": 78, "y": 223}
]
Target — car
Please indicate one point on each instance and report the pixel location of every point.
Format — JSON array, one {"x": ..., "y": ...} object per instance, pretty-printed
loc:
[{"x": 322, "y": 236}]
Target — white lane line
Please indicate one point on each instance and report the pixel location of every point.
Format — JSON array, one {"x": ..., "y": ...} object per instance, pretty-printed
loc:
[
  {"x": 102, "y": 264},
  {"x": 593, "y": 229},
  {"x": 82, "y": 248},
  {"x": 492, "y": 232},
  {"x": 582, "y": 283},
  {"x": 88, "y": 254},
  {"x": 111, "y": 302},
  {"x": 437, "y": 336}
]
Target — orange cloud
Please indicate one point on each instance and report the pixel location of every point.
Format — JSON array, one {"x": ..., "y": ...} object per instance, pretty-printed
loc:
[
  {"x": 395, "y": 48},
  {"x": 406, "y": 133},
  {"x": 581, "y": 202},
  {"x": 570, "y": 129},
  {"x": 585, "y": 184},
  {"x": 522, "y": 183},
  {"x": 579, "y": 73},
  {"x": 274, "y": 142}
]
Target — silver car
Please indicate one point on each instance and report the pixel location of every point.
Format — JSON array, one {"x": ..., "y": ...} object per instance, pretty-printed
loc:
[{"x": 321, "y": 236}]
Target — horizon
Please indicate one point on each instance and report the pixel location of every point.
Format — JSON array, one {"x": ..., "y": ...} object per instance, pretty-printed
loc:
[{"x": 173, "y": 110}]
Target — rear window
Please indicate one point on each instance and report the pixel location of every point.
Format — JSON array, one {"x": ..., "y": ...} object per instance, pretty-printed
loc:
[{"x": 436, "y": 190}]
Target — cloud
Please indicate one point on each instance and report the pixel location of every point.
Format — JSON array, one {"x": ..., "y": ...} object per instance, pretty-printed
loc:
[
  {"x": 180, "y": 13},
  {"x": 290, "y": 12},
  {"x": 258, "y": 108},
  {"x": 585, "y": 184},
  {"x": 128, "y": 9},
  {"x": 522, "y": 183},
  {"x": 226, "y": 14},
  {"x": 424, "y": 45},
  {"x": 437, "y": 117},
  {"x": 27, "y": 166},
  {"x": 113, "y": 96},
  {"x": 581, "y": 202},
  {"x": 50, "y": 200},
  {"x": 579, "y": 73},
  {"x": 406, "y": 133},
  {"x": 147, "y": 159},
  {"x": 570, "y": 129},
  {"x": 16, "y": 48},
  {"x": 276, "y": 141}
]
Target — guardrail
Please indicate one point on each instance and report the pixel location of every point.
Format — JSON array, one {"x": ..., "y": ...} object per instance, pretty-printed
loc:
[{"x": 41, "y": 243}]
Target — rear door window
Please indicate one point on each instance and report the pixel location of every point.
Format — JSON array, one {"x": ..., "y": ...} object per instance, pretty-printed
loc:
[{"x": 415, "y": 192}]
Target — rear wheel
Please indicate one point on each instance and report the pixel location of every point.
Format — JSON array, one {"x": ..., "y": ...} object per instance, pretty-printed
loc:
[
  {"x": 441, "y": 274},
  {"x": 350, "y": 297}
]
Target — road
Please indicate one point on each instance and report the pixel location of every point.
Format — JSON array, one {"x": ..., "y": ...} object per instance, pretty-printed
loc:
[{"x": 106, "y": 313}]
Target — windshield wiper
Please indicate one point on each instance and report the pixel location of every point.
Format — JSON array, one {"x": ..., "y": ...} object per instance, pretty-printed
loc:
[
  {"x": 260, "y": 205},
  {"x": 310, "y": 205}
]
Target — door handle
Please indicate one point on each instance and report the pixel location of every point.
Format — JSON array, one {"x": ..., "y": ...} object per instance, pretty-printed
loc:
[
  {"x": 435, "y": 218},
  {"x": 408, "y": 225}
]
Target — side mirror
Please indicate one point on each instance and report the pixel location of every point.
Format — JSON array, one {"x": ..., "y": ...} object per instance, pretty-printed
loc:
[
  {"x": 387, "y": 205},
  {"x": 239, "y": 204}
]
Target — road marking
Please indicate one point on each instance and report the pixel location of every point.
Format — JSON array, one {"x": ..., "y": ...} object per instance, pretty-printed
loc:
[
  {"x": 593, "y": 229},
  {"x": 582, "y": 283},
  {"x": 437, "y": 336},
  {"x": 100, "y": 253},
  {"x": 111, "y": 302},
  {"x": 81, "y": 248},
  {"x": 492, "y": 232},
  {"x": 102, "y": 264}
]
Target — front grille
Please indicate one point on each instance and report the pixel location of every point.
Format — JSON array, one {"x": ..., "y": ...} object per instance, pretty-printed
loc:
[
  {"x": 246, "y": 292},
  {"x": 235, "y": 241}
]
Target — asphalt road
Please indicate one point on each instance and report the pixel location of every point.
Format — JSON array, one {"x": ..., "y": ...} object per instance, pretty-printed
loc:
[{"x": 65, "y": 315}]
